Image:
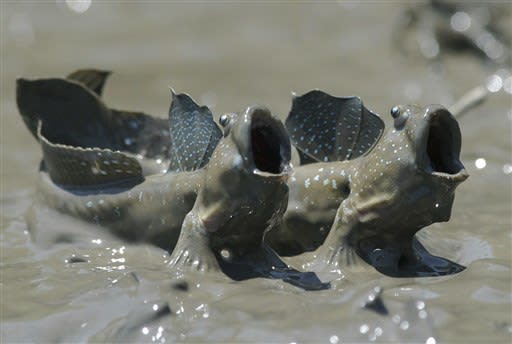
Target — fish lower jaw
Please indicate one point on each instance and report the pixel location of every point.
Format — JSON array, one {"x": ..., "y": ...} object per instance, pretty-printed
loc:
[
  {"x": 460, "y": 176},
  {"x": 283, "y": 177}
]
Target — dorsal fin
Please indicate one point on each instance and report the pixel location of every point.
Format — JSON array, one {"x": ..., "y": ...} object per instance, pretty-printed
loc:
[
  {"x": 73, "y": 115},
  {"x": 67, "y": 109},
  {"x": 194, "y": 134},
  {"x": 78, "y": 168},
  {"x": 327, "y": 128},
  {"x": 93, "y": 79}
]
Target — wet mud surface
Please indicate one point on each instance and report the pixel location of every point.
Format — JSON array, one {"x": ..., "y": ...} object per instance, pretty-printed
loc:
[{"x": 90, "y": 286}]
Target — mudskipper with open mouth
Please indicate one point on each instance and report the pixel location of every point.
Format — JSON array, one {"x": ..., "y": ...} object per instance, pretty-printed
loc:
[
  {"x": 222, "y": 190},
  {"x": 367, "y": 210}
]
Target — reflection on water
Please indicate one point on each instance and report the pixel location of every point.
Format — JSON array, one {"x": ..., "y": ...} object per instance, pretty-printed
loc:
[
  {"x": 78, "y": 6},
  {"x": 480, "y": 163},
  {"x": 435, "y": 26},
  {"x": 96, "y": 288}
]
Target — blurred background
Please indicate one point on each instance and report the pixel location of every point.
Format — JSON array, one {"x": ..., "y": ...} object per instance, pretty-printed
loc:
[{"x": 228, "y": 55}]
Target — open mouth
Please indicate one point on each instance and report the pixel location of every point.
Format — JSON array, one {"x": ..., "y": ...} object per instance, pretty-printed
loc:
[
  {"x": 270, "y": 144},
  {"x": 443, "y": 146}
]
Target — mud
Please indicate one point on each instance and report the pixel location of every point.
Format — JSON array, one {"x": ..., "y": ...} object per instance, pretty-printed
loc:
[{"x": 90, "y": 286}]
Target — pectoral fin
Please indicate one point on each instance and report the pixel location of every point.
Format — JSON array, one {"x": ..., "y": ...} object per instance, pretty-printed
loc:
[
  {"x": 193, "y": 251},
  {"x": 264, "y": 262}
]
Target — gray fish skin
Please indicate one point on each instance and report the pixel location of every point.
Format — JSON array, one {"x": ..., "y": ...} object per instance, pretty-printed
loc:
[
  {"x": 229, "y": 204},
  {"x": 316, "y": 192},
  {"x": 152, "y": 211},
  {"x": 375, "y": 204},
  {"x": 243, "y": 196}
]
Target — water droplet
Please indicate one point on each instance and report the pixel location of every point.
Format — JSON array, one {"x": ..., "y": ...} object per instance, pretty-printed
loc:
[
  {"x": 404, "y": 325},
  {"x": 460, "y": 21},
  {"x": 480, "y": 163},
  {"x": 429, "y": 47},
  {"x": 334, "y": 339},
  {"x": 225, "y": 254},
  {"x": 145, "y": 330},
  {"x": 431, "y": 340},
  {"x": 494, "y": 83},
  {"x": 364, "y": 328},
  {"x": 78, "y": 6},
  {"x": 507, "y": 168}
]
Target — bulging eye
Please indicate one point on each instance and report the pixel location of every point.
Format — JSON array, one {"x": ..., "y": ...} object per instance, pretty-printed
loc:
[
  {"x": 395, "y": 111},
  {"x": 400, "y": 115},
  {"x": 224, "y": 120}
]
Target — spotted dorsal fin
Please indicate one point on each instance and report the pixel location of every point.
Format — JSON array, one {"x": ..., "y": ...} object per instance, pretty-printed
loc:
[
  {"x": 194, "y": 134},
  {"x": 79, "y": 168},
  {"x": 93, "y": 79},
  {"x": 327, "y": 128}
]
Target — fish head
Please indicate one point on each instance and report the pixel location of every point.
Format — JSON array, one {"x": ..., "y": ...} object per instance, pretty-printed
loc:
[
  {"x": 245, "y": 191},
  {"x": 409, "y": 179}
]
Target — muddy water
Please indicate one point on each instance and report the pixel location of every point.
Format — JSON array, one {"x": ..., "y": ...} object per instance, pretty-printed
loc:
[{"x": 98, "y": 288}]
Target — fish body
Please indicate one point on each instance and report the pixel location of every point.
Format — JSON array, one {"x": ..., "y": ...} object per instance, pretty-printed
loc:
[
  {"x": 369, "y": 208},
  {"x": 152, "y": 211},
  {"x": 222, "y": 197},
  {"x": 316, "y": 191},
  {"x": 221, "y": 191}
]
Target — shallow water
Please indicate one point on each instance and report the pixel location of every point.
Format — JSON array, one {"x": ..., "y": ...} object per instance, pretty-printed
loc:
[{"x": 228, "y": 56}]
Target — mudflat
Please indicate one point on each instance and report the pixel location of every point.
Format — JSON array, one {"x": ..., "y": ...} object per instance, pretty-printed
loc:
[{"x": 96, "y": 287}]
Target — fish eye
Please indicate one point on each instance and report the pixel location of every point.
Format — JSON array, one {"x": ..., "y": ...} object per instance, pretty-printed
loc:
[
  {"x": 224, "y": 120},
  {"x": 395, "y": 111},
  {"x": 400, "y": 115}
]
